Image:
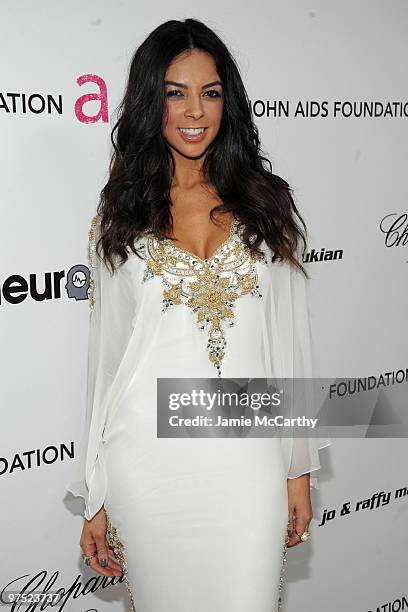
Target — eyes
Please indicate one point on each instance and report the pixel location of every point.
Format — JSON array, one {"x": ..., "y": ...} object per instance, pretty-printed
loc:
[{"x": 174, "y": 93}]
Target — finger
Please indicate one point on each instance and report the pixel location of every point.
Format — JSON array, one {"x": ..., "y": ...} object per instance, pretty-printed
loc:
[
  {"x": 293, "y": 527},
  {"x": 112, "y": 558},
  {"x": 108, "y": 570},
  {"x": 293, "y": 539},
  {"x": 301, "y": 524},
  {"x": 89, "y": 548},
  {"x": 103, "y": 559},
  {"x": 104, "y": 571}
]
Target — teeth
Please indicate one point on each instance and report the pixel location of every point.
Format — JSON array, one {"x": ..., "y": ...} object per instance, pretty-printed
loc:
[{"x": 192, "y": 131}]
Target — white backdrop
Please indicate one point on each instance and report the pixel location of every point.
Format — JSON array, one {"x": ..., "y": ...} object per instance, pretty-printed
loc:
[{"x": 348, "y": 173}]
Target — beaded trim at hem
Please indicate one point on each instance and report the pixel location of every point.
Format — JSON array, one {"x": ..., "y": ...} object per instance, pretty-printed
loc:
[
  {"x": 119, "y": 550},
  {"x": 284, "y": 558}
]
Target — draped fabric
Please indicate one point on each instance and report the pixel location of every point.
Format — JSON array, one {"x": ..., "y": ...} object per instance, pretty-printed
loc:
[{"x": 123, "y": 323}]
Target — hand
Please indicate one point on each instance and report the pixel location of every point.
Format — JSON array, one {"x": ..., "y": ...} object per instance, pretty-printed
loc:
[
  {"x": 300, "y": 507},
  {"x": 93, "y": 542}
]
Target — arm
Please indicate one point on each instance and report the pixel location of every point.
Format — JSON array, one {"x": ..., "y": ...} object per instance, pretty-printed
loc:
[
  {"x": 112, "y": 305},
  {"x": 304, "y": 459}
]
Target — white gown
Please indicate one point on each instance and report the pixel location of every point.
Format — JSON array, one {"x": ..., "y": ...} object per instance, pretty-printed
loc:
[{"x": 199, "y": 523}]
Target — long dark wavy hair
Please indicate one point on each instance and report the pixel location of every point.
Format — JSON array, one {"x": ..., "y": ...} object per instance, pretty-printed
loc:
[{"x": 136, "y": 198}]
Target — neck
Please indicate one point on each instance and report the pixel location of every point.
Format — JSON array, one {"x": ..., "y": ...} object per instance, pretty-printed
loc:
[{"x": 188, "y": 172}]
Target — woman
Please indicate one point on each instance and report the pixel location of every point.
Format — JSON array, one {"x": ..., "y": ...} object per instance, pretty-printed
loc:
[{"x": 182, "y": 291}]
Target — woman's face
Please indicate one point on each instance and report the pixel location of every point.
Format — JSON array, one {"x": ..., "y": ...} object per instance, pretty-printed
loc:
[{"x": 194, "y": 102}]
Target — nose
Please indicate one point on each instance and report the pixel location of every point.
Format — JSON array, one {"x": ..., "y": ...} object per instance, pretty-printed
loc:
[{"x": 194, "y": 107}]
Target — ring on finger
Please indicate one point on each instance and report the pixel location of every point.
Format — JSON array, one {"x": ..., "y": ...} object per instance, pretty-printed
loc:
[
  {"x": 304, "y": 536},
  {"x": 87, "y": 559}
]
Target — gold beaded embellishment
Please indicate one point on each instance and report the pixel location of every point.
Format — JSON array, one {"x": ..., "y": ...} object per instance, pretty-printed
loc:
[
  {"x": 92, "y": 259},
  {"x": 284, "y": 559},
  {"x": 119, "y": 551},
  {"x": 216, "y": 282}
]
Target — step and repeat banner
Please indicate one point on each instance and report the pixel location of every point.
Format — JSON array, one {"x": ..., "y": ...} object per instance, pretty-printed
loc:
[{"x": 327, "y": 84}]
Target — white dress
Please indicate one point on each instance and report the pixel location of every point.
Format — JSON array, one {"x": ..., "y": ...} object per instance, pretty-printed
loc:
[{"x": 199, "y": 523}]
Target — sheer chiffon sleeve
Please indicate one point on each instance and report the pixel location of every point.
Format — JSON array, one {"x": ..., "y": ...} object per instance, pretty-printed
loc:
[
  {"x": 111, "y": 300},
  {"x": 301, "y": 453}
]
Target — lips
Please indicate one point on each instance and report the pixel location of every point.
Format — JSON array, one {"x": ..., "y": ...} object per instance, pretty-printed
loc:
[{"x": 191, "y": 137}]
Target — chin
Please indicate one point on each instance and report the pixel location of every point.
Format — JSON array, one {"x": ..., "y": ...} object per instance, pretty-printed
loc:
[{"x": 190, "y": 151}]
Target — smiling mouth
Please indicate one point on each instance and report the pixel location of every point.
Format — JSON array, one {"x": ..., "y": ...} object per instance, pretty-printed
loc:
[{"x": 192, "y": 131}]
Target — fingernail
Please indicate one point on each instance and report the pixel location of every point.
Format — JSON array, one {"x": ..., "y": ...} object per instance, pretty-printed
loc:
[{"x": 103, "y": 562}]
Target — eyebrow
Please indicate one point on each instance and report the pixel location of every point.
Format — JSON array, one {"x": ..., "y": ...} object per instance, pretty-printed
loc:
[{"x": 186, "y": 87}]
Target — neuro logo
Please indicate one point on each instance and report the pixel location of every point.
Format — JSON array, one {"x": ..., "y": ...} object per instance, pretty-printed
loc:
[
  {"x": 78, "y": 280},
  {"x": 15, "y": 289}
]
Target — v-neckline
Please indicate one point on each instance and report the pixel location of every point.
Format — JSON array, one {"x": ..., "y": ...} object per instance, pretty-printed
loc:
[{"x": 233, "y": 227}]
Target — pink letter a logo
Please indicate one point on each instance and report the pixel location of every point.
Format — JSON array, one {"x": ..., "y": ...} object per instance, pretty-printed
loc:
[{"x": 102, "y": 96}]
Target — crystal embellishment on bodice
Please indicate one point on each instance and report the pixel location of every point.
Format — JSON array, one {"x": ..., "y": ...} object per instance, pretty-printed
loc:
[{"x": 210, "y": 287}]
